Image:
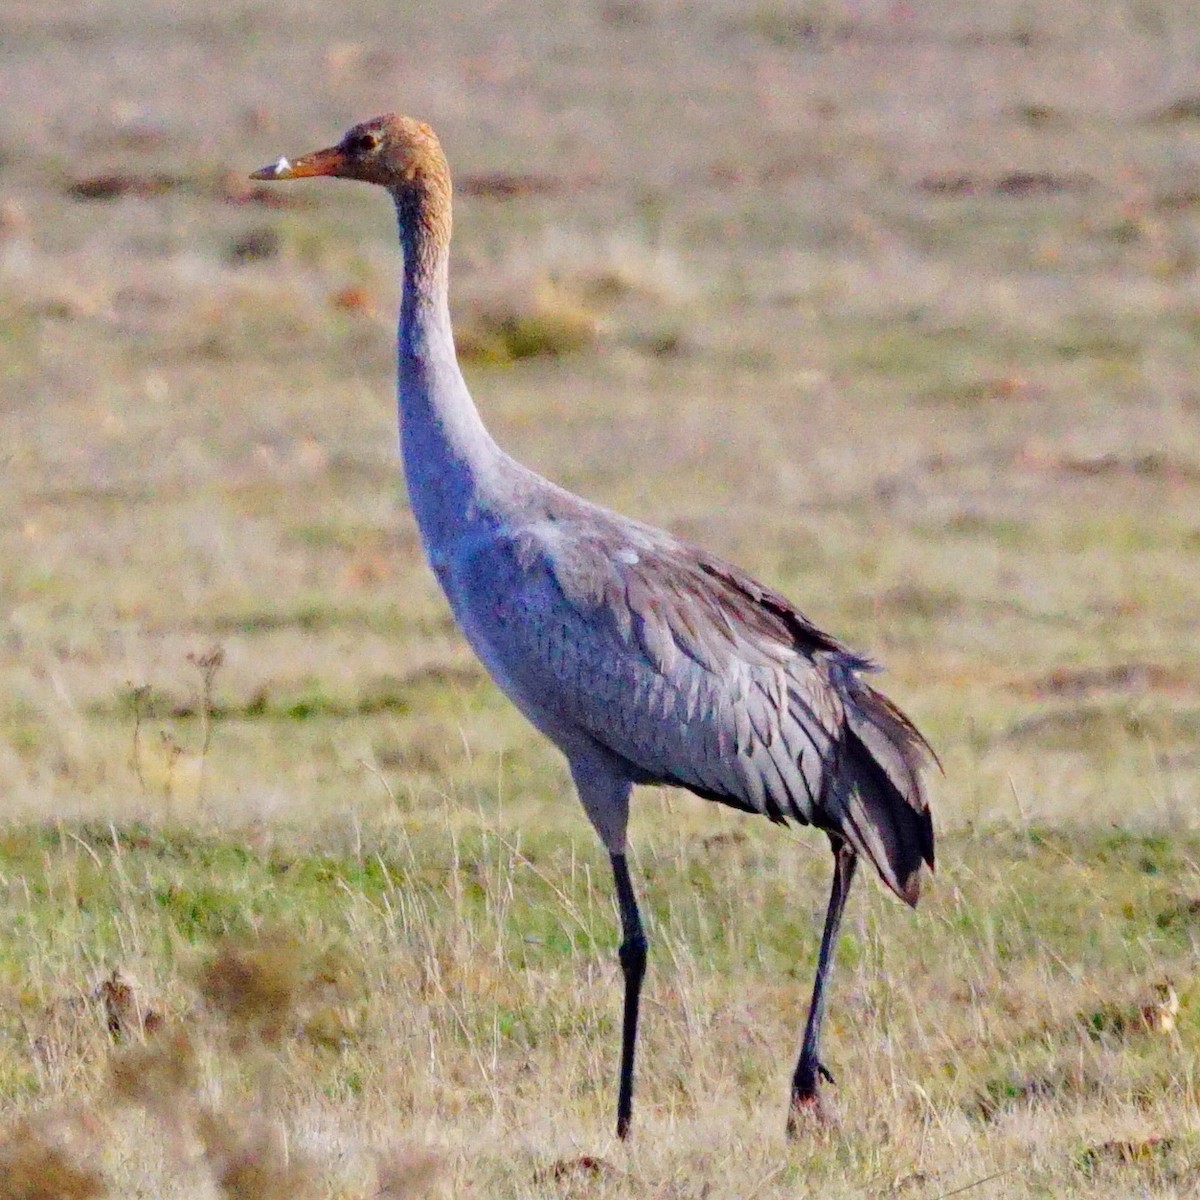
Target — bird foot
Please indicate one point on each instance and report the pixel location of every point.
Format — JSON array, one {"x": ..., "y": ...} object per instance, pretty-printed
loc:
[
  {"x": 809, "y": 1115},
  {"x": 810, "y": 1110}
]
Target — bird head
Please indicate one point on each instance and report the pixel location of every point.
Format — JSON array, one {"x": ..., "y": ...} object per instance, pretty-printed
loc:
[{"x": 395, "y": 152}]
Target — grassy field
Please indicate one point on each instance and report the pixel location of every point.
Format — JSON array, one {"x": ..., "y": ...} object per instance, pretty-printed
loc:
[{"x": 897, "y": 305}]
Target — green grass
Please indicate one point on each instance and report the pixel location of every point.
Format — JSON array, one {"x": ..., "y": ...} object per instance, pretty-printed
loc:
[
  {"x": 925, "y": 363},
  {"x": 500, "y": 945}
]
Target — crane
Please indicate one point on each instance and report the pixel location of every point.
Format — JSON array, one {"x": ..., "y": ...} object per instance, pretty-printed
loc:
[{"x": 643, "y": 659}]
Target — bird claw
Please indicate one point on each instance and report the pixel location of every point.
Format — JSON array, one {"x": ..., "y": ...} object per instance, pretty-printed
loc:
[
  {"x": 808, "y": 1109},
  {"x": 809, "y": 1114},
  {"x": 807, "y": 1078}
]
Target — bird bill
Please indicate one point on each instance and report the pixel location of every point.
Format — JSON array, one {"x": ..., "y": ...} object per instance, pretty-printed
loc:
[{"x": 279, "y": 169}]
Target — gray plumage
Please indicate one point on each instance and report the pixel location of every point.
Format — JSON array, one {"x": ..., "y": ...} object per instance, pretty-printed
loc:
[
  {"x": 666, "y": 665},
  {"x": 645, "y": 660}
]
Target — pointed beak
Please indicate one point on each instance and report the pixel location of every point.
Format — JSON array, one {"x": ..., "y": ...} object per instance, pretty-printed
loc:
[{"x": 320, "y": 162}]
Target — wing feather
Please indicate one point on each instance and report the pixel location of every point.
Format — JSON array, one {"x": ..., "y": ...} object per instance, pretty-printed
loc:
[{"x": 689, "y": 672}]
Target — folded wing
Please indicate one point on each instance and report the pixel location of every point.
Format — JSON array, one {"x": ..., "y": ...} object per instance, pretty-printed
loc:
[{"x": 689, "y": 672}]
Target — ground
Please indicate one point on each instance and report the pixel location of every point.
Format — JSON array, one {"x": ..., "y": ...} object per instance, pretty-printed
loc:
[{"x": 896, "y": 305}]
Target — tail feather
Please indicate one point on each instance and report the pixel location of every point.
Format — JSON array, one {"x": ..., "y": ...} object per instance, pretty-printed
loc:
[{"x": 877, "y": 800}]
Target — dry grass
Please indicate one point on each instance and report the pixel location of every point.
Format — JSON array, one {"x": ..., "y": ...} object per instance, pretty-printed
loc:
[
  {"x": 52, "y": 1157},
  {"x": 1034, "y": 1015},
  {"x": 895, "y": 304}
]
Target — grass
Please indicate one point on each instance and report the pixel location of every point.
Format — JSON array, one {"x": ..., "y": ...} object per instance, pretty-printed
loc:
[
  {"x": 281, "y": 967},
  {"x": 295, "y": 903}
]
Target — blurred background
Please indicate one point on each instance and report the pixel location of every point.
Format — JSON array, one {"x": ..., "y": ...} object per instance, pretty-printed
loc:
[{"x": 895, "y": 304}]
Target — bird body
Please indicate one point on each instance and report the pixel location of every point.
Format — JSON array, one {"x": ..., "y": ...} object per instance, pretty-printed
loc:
[
  {"x": 665, "y": 665},
  {"x": 644, "y": 659}
]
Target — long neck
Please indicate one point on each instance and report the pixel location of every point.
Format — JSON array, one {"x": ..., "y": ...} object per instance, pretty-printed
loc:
[{"x": 448, "y": 454}]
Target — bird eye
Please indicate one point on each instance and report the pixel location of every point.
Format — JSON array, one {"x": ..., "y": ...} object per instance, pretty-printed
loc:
[{"x": 364, "y": 143}]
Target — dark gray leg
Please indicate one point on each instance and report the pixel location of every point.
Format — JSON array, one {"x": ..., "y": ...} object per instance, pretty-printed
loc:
[
  {"x": 809, "y": 1069},
  {"x": 633, "y": 964}
]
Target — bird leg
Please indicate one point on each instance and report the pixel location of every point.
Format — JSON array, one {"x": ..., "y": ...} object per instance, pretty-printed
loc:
[
  {"x": 809, "y": 1068},
  {"x": 633, "y": 965}
]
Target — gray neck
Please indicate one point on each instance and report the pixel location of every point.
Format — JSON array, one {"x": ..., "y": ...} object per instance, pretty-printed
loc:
[{"x": 449, "y": 457}]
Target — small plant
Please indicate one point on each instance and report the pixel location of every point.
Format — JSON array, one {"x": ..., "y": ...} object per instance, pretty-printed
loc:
[
  {"x": 256, "y": 987},
  {"x": 159, "y": 1075},
  {"x": 146, "y": 702},
  {"x": 38, "y": 1162},
  {"x": 548, "y": 323},
  {"x": 249, "y": 1159},
  {"x": 405, "y": 1174}
]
